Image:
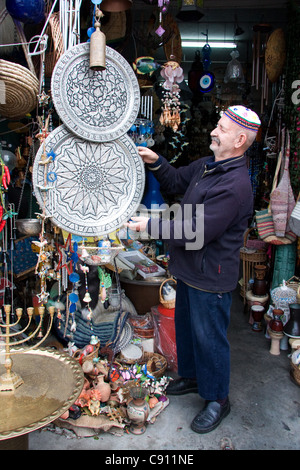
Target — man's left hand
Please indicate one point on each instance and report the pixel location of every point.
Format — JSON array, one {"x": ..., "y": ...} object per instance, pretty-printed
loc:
[{"x": 138, "y": 224}]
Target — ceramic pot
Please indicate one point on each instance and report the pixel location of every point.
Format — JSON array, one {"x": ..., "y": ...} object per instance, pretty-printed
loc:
[
  {"x": 292, "y": 327},
  {"x": 260, "y": 271},
  {"x": 138, "y": 410},
  {"x": 260, "y": 287},
  {"x": 276, "y": 322},
  {"x": 276, "y": 337},
  {"x": 257, "y": 312},
  {"x": 103, "y": 387}
]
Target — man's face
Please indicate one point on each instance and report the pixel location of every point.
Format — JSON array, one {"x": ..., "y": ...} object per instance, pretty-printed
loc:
[{"x": 223, "y": 138}]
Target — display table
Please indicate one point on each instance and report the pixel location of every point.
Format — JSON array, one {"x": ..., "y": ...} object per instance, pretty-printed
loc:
[{"x": 52, "y": 383}]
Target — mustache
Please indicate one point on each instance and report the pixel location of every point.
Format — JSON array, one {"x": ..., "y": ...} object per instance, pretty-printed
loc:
[{"x": 215, "y": 139}]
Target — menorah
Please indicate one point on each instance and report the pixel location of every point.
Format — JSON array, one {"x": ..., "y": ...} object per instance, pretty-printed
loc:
[{"x": 10, "y": 381}]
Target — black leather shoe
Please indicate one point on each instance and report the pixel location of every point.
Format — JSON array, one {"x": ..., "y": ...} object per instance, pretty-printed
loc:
[
  {"x": 210, "y": 417},
  {"x": 182, "y": 386}
]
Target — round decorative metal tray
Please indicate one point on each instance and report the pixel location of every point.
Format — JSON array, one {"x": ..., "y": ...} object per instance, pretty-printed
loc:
[
  {"x": 43, "y": 396},
  {"x": 96, "y": 105},
  {"x": 88, "y": 188}
]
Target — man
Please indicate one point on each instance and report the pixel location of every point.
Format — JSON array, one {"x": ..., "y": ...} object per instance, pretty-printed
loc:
[{"x": 207, "y": 275}]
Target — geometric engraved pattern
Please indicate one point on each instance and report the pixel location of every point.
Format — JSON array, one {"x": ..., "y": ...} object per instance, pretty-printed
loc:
[
  {"x": 89, "y": 188},
  {"x": 96, "y": 105}
]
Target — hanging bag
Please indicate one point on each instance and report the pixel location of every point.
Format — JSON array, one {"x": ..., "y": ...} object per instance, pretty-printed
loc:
[
  {"x": 265, "y": 218},
  {"x": 282, "y": 200}
]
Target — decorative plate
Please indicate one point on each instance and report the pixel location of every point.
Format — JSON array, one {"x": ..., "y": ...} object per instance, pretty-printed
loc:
[
  {"x": 88, "y": 188},
  {"x": 96, "y": 105},
  {"x": 275, "y": 55}
]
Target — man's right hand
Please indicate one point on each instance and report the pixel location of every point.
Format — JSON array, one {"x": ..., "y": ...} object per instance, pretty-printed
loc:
[{"x": 147, "y": 155}]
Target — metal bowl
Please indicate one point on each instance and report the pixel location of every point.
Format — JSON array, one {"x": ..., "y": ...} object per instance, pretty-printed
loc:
[{"x": 29, "y": 226}]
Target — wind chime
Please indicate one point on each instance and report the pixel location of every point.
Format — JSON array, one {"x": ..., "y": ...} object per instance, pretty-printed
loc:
[
  {"x": 173, "y": 75},
  {"x": 259, "y": 75},
  {"x": 69, "y": 18}
]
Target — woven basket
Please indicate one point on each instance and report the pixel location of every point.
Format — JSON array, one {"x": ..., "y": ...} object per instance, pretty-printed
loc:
[
  {"x": 295, "y": 372},
  {"x": 21, "y": 90},
  {"x": 81, "y": 358},
  {"x": 252, "y": 255},
  {"x": 56, "y": 48},
  {"x": 293, "y": 283},
  {"x": 166, "y": 303},
  {"x": 156, "y": 364},
  {"x": 250, "y": 258}
]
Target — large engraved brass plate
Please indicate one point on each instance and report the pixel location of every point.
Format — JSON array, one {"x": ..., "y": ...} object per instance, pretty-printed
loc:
[
  {"x": 96, "y": 105},
  {"x": 88, "y": 188},
  {"x": 52, "y": 383}
]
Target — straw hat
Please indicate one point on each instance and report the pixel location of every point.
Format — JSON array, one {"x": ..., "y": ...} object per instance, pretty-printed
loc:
[{"x": 21, "y": 89}]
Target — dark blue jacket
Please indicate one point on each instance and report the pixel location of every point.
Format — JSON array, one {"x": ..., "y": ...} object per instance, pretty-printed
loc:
[{"x": 225, "y": 191}]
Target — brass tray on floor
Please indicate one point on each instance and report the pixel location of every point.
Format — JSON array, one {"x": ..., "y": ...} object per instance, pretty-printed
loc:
[{"x": 52, "y": 383}]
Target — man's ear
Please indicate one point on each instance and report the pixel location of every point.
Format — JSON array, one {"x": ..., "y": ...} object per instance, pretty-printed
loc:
[{"x": 240, "y": 140}]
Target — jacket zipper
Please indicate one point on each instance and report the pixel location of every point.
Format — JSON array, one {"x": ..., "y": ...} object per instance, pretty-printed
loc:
[{"x": 210, "y": 171}]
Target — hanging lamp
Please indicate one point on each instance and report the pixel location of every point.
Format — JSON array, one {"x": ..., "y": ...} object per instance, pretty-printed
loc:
[{"x": 190, "y": 11}]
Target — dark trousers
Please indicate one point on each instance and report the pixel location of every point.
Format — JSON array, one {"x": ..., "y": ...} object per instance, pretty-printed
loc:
[{"x": 203, "y": 351}]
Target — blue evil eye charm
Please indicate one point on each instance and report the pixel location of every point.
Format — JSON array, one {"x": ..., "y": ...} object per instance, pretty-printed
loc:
[
  {"x": 74, "y": 277},
  {"x": 73, "y": 297}
]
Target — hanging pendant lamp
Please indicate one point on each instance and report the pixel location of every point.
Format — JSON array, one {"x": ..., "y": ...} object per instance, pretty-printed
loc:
[{"x": 190, "y": 11}]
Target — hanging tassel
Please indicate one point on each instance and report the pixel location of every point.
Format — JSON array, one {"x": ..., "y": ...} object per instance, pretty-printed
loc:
[{"x": 102, "y": 292}]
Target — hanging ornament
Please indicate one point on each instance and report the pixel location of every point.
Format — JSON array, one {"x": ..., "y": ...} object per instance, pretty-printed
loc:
[
  {"x": 31, "y": 11},
  {"x": 105, "y": 284},
  {"x": 195, "y": 73},
  {"x": 163, "y": 8},
  {"x": 234, "y": 71},
  {"x": 87, "y": 298},
  {"x": 173, "y": 74},
  {"x": 207, "y": 79},
  {"x": 98, "y": 45}
]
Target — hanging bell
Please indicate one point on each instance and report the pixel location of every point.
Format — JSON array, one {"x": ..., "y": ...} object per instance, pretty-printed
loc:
[
  {"x": 97, "y": 49},
  {"x": 84, "y": 254},
  {"x": 87, "y": 298}
]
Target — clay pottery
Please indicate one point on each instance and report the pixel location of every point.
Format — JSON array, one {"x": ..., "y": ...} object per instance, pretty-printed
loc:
[
  {"x": 292, "y": 327},
  {"x": 276, "y": 337},
  {"x": 276, "y": 323},
  {"x": 257, "y": 312},
  {"x": 103, "y": 387},
  {"x": 138, "y": 410},
  {"x": 260, "y": 287},
  {"x": 260, "y": 271}
]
